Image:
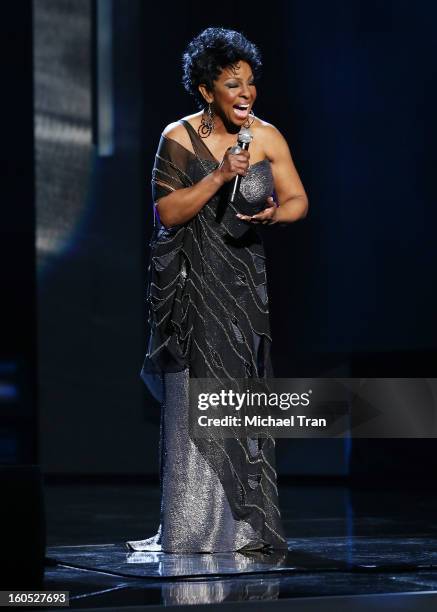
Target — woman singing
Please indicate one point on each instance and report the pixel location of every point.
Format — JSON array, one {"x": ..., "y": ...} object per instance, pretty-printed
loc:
[{"x": 208, "y": 302}]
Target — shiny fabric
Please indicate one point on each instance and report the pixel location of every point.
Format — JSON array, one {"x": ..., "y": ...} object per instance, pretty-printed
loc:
[
  {"x": 195, "y": 512},
  {"x": 209, "y": 318}
]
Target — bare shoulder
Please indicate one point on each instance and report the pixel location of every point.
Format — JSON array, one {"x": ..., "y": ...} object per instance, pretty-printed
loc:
[
  {"x": 267, "y": 131},
  {"x": 271, "y": 137},
  {"x": 177, "y": 131}
]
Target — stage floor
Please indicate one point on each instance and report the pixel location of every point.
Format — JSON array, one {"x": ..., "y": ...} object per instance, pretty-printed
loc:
[{"x": 352, "y": 548}]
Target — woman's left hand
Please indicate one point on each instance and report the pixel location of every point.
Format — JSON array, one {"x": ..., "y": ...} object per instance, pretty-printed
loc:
[{"x": 266, "y": 216}]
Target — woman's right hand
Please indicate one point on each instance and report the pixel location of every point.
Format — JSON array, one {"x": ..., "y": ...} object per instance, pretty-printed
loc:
[{"x": 233, "y": 164}]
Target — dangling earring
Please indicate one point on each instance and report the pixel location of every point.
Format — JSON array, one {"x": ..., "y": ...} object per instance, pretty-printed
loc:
[
  {"x": 252, "y": 116},
  {"x": 206, "y": 123}
]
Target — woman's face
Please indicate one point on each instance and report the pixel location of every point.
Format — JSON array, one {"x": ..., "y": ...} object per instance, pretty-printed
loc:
[{"x": 235, "y": 87}]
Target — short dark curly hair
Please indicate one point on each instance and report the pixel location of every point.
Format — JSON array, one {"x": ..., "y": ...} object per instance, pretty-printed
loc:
[{"x": 212, "y": 50}]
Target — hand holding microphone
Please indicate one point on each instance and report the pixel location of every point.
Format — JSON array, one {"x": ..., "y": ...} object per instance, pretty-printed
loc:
[{"x": 236, "y": 161}]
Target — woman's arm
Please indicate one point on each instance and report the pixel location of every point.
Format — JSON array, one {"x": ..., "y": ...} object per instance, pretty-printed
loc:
[
  {"x": 292, "y": 199},
  {"x": 184, "y": 203}
]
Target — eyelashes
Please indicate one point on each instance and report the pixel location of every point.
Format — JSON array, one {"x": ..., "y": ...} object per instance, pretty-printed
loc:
[{"x": 232, "y": 86}]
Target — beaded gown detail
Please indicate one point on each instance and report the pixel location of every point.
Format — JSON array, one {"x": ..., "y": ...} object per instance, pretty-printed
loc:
[{"x": 209, "y": 318}]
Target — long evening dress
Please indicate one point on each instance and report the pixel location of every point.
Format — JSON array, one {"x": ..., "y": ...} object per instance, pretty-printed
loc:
[{"x": 209, "y": 318}]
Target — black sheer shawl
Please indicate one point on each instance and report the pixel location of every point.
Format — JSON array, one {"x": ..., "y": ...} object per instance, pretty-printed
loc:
[{"x": 208, "y": 310}]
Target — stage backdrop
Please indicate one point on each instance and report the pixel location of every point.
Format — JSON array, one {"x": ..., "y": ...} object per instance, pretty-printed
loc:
[{"x": 351, "y": 86}]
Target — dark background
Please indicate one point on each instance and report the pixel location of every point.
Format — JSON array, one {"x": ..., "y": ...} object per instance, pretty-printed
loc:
[{"x": 351, "y": 85}]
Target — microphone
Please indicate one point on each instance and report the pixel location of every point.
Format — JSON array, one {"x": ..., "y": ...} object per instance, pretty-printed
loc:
[{"x": 245, "y": 136}]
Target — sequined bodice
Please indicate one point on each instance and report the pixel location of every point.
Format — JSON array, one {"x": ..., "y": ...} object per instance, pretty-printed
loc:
[{"x": 257, "y": 186}]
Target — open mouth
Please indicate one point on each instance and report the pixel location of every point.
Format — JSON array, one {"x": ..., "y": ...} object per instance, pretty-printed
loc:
[{"x": 241, "y": 110}]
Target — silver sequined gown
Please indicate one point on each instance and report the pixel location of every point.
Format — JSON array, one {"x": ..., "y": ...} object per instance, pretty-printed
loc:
[{"x": 208, "y": 278}]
